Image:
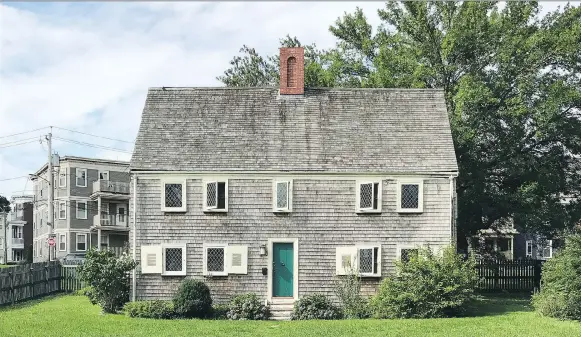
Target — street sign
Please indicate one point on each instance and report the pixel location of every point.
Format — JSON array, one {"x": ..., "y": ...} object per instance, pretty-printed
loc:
[{"x": 51, "y": 242}]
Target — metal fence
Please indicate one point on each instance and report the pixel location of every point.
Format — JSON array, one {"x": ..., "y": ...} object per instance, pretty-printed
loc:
[
  {"x": 510, "y": 275},
  {"x": 34, "y": 280}
]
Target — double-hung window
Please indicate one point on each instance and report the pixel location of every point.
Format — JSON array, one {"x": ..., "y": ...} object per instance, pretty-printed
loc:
[
  {"x": 81, "y": 242},
  {"x": 368, "y": 196},
  {"x": 62, "y": 210},
  {"x": 173, "y": 196},
  {"x": 545, "y": 249},
  {"x": 410, "y": 196},
  {"x": 282, "y": 196},
  {"x": 63, "y": 178},
  {"x": 62, "y": 242},
  {"x": 216, "y": 195},
  {"x": 82, "y": 210},
  {"x": 363, "y": 260},
  {"x": 529, "y": 248},
  {"x": 81, "y": 177}
]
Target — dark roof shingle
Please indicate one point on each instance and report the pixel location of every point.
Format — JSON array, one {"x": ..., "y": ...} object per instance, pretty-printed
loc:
[{"x": 329, "y": 130}]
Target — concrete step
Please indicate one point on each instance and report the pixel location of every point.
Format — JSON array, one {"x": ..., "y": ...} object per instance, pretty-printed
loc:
[{"x": 281, "y": 309}]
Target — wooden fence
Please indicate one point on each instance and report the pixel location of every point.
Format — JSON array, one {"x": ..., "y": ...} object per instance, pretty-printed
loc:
[
  {"x": 510, "y": 275},
  {"x": 24, "y": 282}
]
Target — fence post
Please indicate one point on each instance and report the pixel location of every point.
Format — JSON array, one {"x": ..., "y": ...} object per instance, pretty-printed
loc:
[{"x": 538, "y": 271}]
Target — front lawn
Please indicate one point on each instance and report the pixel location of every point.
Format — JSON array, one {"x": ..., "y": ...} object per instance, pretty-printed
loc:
[{"x": 74, "y": 316}]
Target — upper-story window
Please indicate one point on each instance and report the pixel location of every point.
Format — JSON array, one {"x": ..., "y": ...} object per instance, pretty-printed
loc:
[
  {"x": 81, "y": 210},
  {"x": 173, "y": 197},
  {"x": 62, "y": 210},
  {"x": 63, "y": 179},
  {"x": 410, "y": 196},
  {"x": 216, "y": 195},
  {"x": 81, "y": 177},
  {"x": 369, "y": 196},
  {"x": 282, "y": 196},
  {"x": 103, "y": 175}
]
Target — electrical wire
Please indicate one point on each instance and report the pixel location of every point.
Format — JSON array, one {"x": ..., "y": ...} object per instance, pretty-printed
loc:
[
  {"x": 102, "y": 147},
  {"x": 13, "y": 178},
  {"x": 88, "y": 134},
  {"x": 21, "y": 133},
  {"x": 18, "y": 144}
]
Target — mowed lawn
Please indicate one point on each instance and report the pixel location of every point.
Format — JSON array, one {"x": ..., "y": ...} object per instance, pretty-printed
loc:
[{"x": 74, "y": 316}]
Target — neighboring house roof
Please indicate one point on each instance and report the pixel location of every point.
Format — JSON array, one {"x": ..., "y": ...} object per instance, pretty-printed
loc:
[
  {"x": 327, "y": 130},
  {"x": 85, "y": 160}
]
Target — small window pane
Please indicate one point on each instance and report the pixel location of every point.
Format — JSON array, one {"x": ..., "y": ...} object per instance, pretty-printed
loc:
[
  {"x": 410, "y": 195},
  {"x": 407, "y": 254},
  {"x": 366, "y": 261},
  {"x": 173, "y": 195},
  {"x": 215, "y": 258},
  {"x": 366, "y": 195},
  {"x": 173, "y": 259},
  {"x": 221, "y": 195},
  {"x": 282, "y": 195},
  {"x": 211, "y": 194}
]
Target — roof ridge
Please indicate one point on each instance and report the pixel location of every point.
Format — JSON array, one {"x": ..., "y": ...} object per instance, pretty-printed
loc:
[{"x": 306, "y": 88}]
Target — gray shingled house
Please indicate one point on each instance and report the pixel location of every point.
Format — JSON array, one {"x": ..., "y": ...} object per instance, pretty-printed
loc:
[{"x": 278, "y": 190}]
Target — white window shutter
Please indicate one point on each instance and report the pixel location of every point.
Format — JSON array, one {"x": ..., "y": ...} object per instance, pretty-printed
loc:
[
  {"x": 151, "y": 262},
  {"x": 237, "y": 259},
  {"x": 211, "y": 194},
  {"x": 345, "y": 260}
]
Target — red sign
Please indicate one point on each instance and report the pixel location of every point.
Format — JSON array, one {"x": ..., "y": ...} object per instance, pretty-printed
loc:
[{"x": 51, "y": 242}]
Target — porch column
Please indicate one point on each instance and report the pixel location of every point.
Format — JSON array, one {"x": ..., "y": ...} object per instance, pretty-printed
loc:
[
  {"x": 99, "y": 211},
  {"x": 99, "y": 239}
]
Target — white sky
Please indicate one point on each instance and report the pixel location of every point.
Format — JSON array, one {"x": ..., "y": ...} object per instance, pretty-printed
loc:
[{"x": 87, "y": 66}]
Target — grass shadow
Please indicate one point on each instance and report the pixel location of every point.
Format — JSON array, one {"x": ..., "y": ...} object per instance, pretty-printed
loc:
[
  {"x": 32, "y": 302},
  {"x": 495, "y": 305}
]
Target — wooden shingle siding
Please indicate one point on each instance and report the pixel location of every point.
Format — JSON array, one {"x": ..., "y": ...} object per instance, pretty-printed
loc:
[{"x": 323, "y": 217}]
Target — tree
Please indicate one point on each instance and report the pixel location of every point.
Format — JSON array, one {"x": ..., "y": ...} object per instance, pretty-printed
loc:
[
  {"x": 4, "y": 204},
  {"x": 513, "y": 91}
]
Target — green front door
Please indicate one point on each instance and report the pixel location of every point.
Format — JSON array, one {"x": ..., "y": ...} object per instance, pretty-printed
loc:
[{"x": 282, "y": 269}]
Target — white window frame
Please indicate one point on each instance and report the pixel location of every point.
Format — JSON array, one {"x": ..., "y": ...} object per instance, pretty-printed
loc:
[
  {"x": 61, "y": 204},
  {"x": 354, "y": 252},
  {"x": 401, "y": 247},
  {"x": 420, "y": 183},
  {"x": 529, "y": 245},
  {"x": 104, "y": 172},
  {"x": 182, "y": 272},
  {"x": 63, "y": 183},
  {"x": 205, "y": 260},
  {"x": 77, "y": 242},
  {"x": 372, "y": 247},
  {"x": 541, "y": 249},
  {"x": 77, "y": 210},
  {"x": 61, "y": 242},
  {"x": 379, "y": 196},
  {"x": 214, "y": 208},
  {"x": 180, "y": 181},
  {"x": 289, "y": 184},
  {"x": 156, "y": 250},
  {"x": 77, "y": 171}
]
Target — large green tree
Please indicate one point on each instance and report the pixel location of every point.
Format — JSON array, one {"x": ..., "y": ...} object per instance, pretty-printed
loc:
[
  {"x": 4, "y": 204},
  {"x": 513, "y": 90}
]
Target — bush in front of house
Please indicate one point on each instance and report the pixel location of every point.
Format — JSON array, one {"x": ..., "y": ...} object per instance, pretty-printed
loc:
[
  {"x": 247, "y": 307},
  {"x": 220, "y": 311},
  {"x": 108, "y": 277},
  {"x": 193, "y": 300},
  {"x": 150, "y": 309},
  {"x": 429, "y": 285},
  {"x": 560, "y": 295},
  {"x": 348, "y": 291},
  {"x": 315, "y": 306}
]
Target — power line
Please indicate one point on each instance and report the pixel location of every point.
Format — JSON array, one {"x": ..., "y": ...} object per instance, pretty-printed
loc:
[
  {"x": 14, "y": 178},
  {"x": 18, "y": 141},
  {"x": 21, "y": 133},
  {"x": 18, "y": 144},
  {"x": 92, "y": 145},
  {"x": 88, "y": 134}
]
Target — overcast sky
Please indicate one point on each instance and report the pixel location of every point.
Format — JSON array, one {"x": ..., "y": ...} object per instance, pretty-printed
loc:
[{"x": 87, "y": 66}]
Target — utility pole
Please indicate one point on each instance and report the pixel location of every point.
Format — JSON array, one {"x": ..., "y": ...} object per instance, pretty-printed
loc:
[
  {"x": 5, "y": 236},
  {"x": 50, "y": 193}
]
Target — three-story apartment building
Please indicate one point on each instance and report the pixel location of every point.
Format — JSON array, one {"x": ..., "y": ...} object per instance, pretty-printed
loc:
[{"x": 91, "y": 198}]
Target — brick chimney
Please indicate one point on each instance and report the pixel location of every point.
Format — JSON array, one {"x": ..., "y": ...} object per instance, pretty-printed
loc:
[{"x": 292, "y": 71}]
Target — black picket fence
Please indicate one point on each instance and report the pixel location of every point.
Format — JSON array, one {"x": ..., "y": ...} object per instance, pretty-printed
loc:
[{"x": 510, "y": 275}]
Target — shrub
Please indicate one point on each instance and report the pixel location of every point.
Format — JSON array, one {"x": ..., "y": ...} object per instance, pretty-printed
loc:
[
  {"x": 315, "y": 306},
  {"x": 86, "y": 291},
  {"x": 108, "y": 277},
  {"x": 193, "y": 300},
  {"x": 347, "y": 289},
  {"x": 247, "y": 306},
  {"x": 560, "y": 295},
  {"x": 220, "y": 311},
  {"x": 429, "y": 285},
  {"x": 150, "y": 309}
]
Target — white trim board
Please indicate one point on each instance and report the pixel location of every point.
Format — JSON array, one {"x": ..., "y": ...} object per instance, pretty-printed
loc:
[{"x": 295, "y": 243}]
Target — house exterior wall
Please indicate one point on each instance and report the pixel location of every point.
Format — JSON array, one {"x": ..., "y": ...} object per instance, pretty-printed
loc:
[{"x": 323, "y": 217}]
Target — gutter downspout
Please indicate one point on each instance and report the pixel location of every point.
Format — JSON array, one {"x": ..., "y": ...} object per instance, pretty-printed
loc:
[
  {"x": 452, "y": 236},
  {"x": 134, "y": 280}
]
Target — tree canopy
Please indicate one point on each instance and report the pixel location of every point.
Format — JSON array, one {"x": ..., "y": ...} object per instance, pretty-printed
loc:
[
  {"x": 4, "y": 204},
  {"x": 512, "y": 80}
]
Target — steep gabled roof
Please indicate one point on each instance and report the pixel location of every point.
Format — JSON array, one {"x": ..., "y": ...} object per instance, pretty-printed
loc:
[{"x": 328, "y": 130}]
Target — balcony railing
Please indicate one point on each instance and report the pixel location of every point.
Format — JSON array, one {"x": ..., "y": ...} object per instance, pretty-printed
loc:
[
  {"x": 17, "y": 241},
  {"x": 110, "y": 220},
  {"x": 111, "y": 186}
]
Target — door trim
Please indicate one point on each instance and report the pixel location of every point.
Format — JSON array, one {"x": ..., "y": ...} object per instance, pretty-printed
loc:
[{"x": 270, "y": 253}]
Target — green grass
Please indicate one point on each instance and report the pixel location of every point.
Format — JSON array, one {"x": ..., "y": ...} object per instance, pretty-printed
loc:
[
  {"x": 5, "y": 266},
  {"x": 74, "y": 316}
]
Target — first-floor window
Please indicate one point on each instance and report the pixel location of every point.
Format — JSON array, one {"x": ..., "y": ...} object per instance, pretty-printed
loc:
[
  {"x": 81, "y": 242},
  {"x": 368, "y": 260},
  {"x": 546, "y": 249},
  {"x": 174, "y": 259},
  {"x": 529, "y": 245},
  {"x": 62, "y": 242},
  {"x": 215, "y": 260},
  {"x": 361, "y": 260},
  {"x": 406, "y": 254},
  {"x": 224, "y": 259}
]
